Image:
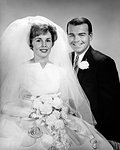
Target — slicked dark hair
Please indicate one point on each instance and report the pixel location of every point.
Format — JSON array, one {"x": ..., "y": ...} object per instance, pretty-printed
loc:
[
  {"x": 79, "y": 21},
  {"x": 37, "y": 30}
]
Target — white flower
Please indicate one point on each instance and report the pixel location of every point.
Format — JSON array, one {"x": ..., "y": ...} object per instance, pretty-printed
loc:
[
  {"x": 36, "y": 103},
  {"x": 57, "y": 102},
  {"x": 45, "y": 109},
  {"x": 51, "y": 119},
  {"x": 46, "y": 98},
  {"x": 83, "y": 64},
  {"x": 42, "y": 105},
  {"x": 56, "y": 114},
  {"x": 46, "y": 139},
  {"x": 59, "y": 124}
]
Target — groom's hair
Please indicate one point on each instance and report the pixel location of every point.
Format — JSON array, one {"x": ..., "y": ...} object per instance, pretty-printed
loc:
[
  {"x": 37, "y": 30},
  {"x": 80, "y": 21}
]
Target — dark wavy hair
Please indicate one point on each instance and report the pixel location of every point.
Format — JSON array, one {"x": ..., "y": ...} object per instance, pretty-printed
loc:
[
  {"x": 79, "y": 21},
  {"x": 37, "y": 30}
]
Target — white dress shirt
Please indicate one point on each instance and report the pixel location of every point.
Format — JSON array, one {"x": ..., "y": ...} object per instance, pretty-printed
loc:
[{"x": 80, "y": 56}]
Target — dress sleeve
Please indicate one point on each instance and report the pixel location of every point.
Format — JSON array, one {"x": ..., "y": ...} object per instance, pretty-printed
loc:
[{"x": 10, "y": 93}]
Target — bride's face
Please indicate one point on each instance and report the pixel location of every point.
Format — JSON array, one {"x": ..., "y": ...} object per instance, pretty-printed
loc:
[{"x": 42, "y": 45}]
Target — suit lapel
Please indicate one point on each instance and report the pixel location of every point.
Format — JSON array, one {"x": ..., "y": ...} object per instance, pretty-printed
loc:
[{"x": 87, "y": 57}]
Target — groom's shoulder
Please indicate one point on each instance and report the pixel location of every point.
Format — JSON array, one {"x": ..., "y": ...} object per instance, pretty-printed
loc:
[{"x": 100, "y": 56}]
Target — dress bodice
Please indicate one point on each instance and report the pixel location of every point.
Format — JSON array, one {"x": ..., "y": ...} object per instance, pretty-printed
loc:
[{"x": 38, "y": 80}]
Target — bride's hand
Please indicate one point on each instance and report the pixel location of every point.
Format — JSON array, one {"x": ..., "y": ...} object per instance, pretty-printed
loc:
[
  {"x": 18, "y": 111},
  {"x": 25, "y": 95}
]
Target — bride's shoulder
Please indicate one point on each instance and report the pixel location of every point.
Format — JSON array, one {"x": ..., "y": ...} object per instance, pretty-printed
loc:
[{"x": 18, "y": 69}]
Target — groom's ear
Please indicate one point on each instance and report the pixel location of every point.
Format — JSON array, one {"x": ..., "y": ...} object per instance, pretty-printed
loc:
[{"x": 91, "y": 36}]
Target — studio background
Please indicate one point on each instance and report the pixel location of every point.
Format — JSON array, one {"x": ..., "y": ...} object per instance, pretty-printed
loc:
[{"x": 104, "y": 15}]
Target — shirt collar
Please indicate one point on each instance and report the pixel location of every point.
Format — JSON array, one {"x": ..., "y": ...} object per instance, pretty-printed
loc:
[{"x": 81, "y": 55}]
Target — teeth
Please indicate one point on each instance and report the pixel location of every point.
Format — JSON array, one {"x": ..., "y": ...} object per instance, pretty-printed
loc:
[{"x": 43, "y": 50}]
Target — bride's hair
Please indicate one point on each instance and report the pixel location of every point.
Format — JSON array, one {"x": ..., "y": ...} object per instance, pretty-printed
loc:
[{"x": 37, "y": 30}]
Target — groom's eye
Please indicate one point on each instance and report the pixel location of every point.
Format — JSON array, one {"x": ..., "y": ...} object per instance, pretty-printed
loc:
[{"x": 81, "y": 34}]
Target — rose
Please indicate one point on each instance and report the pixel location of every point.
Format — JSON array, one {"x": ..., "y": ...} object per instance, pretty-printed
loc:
[
  {"x": 59, "y": 124},
  {"x": 42, "y": 105},
  {"x": 51, "y": 119},
  {"x": 47, "y": 141},
  {"x": 45, "y": 109},
  {"x": 57, "y": 102},
  {"x": 83, "y": 64}
]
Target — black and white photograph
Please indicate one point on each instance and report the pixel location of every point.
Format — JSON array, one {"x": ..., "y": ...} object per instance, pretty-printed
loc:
[{"x": 59, "y": 75}]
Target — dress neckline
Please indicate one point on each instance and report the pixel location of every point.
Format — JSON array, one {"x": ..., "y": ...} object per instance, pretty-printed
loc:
[{"x": 38, "y": 64}]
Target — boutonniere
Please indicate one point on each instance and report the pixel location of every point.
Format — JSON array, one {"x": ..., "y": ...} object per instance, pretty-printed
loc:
[{"x": 83, "y": 64}]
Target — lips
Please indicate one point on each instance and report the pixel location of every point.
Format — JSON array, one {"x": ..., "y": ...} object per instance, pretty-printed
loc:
[
  {"x": 76, "y": 45},
  {"x": 43, "y": 50}
]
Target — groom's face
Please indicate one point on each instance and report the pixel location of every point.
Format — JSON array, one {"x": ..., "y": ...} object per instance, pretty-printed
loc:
[{"x": 79, "y": 37}]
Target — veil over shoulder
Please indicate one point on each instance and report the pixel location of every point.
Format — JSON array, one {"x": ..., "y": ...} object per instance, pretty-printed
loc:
[{"x": 15, "y": 50}]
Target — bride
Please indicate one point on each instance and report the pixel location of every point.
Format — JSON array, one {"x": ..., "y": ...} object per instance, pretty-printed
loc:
[{"x": 42, "y": 104}]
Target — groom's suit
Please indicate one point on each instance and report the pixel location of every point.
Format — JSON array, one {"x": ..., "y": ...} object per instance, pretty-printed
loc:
[{"x": 100, "y": 83}]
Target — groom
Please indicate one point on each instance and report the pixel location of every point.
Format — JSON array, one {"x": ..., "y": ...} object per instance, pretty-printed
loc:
[{"x": 98, "y": 76}]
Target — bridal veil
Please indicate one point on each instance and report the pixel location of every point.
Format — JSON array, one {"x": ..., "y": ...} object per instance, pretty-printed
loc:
[{"x": 15, "y": 50}]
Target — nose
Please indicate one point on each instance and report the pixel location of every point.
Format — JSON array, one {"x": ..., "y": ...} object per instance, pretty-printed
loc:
[
  {"x": 43, "y": 44},
  {"x": 76, "y": 39}
]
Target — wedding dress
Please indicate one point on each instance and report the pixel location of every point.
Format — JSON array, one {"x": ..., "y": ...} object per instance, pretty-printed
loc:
[{"x": 39, "y": 81}]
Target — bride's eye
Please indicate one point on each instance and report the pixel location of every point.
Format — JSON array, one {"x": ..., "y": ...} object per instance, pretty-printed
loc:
[
  {"x": 38, "y": 40},
  {"x": 48, "y": 40}
]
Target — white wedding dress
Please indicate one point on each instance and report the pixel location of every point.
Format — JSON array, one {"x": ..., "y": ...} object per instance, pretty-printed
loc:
[{"x": 40, "y": 81}]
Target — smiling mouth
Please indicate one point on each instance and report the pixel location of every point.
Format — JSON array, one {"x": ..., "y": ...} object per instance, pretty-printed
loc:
[
  {"x": 76, "y": 45},
  {"x": 43, "y": 50}
]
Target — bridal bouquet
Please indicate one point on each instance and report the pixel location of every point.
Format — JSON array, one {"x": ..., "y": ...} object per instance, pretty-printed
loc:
[{"x": 50, "y": 115}]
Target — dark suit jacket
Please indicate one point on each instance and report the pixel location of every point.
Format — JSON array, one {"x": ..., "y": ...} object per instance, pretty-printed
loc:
[{"x": 101, "y": 85}]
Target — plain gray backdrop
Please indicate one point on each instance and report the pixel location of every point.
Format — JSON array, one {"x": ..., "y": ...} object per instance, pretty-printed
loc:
[{"x": 104, "y": 15}]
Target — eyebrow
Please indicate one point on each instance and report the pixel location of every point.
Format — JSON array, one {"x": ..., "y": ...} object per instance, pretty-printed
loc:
[
  {"x": 70, "y": 33},
  {"x": 40, "y": 38},
  {"x": 83, "y": 33}
]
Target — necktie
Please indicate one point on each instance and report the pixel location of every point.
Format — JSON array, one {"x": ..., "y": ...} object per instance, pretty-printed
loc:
[{"x": 75, "y": 66}]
